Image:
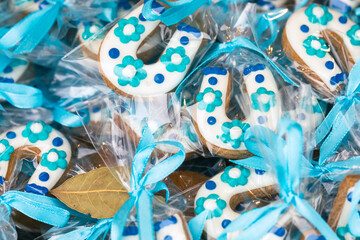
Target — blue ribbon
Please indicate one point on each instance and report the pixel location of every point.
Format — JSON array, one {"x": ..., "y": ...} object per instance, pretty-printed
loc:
[
  {"x": 354, "y": 218},
  {"x": 341, "y": 118},
  {"x": 177, "y": 11},
  {"x": 287, "y": 163},
  {"x": 143, "y": 187},
  {"x": 229, "y": 47},
  {"x": 41, "y": 208}
]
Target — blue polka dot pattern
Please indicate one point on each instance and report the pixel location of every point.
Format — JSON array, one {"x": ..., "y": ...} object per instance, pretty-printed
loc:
[
  {"x": 261, "y": 120},
  {"x": 343, "y": 19},
  {"x": 141, "y": 17},
  {"x": 57, "y": 142},
  {"x": 114, "y": 53},
  {"x": 259, "y": 172},
  {"x": 184, "y": 40},
  {"x": 259, "y": 78},
  {"x": 159, "y": 78},
  {"x": 213, "y": 81},
  {"x": 304, "y": 28},
  {"x": 301, "y": 116},
  {"x": 225, "y": 223},
  {"x": 329, "y": 65},
  {"x": 44, "y": 176},
  {"x": 168, "y": 237},
  {"x": 2, "y": 180},
  {"x": 211, "y": 120},
  {"x": 11, "y": 135},
  {"x": 210, "y": 185}
]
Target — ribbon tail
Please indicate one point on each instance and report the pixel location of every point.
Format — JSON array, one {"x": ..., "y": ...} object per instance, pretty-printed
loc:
[
  {"x": 196, "y": 225},
  {"x": 252, "y": 162},
  {"x": 120, "y": 218},
  {"x": 144, "y": 216},
  {"x": 21, "y": 96},
  {"x": 69, "y": 119}
]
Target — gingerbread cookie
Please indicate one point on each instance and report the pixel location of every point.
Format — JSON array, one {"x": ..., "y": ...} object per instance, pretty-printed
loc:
[
  {"x": 52, "y": 150},
  {"x": 340, "y": 212},
  {"x": 307, "y": 38},
  {"x": 85, "y": 31},
  {"x": 223, "y": 136},
  {"x": 124, "y": 72}
]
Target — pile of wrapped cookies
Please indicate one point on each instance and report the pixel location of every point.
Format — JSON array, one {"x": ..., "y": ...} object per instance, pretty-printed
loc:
[{"x": 179, "y": 119}]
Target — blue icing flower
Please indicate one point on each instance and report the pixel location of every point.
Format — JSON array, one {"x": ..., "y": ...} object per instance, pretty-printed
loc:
[
  {"x": 354, "y": 35},
  {"x": 130, "y": 72},
  {"x": 341, "y": 77},
  {"x": 54, "y": 159},
  {"x": 5, "y": 150},
  {"x": 343, "y": 232},
  {"x": 164, "y": 223},
  {"x": 209, "y": 99},
  {"x": 312, "y": 105},
  {"x": 235, "y": 176},
  {"x": 213, "y": 203},
  {"x": 318, "y": 14},
  {"x": 214, "y": 70},
  {"x": 36, "y": 131},
  {"x": 160, "y": 130},
  {"x": 129, "y": 30},
  {"x": 233, "y": 132},
  {"x": 263, "y": 99},
  {"x": 189, "y": 29},
  {"x": 316, "y": 46},
  {"x": 175, "y": 59},
  {"x": 87, "y": 30},
  {"x": 254, "y": 68}
]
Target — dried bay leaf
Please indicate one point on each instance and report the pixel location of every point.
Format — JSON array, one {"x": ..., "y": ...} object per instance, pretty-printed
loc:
[{"x": 97, "y": 193}]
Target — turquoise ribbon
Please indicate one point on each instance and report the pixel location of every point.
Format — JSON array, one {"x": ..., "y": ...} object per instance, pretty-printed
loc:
[
  {"x": 287, "y": 163},
  {"x": 21, "y": 96},
  {"x": 177, "y": 11},
  {"x": 41, "y": 208},
  {"x": 143, "y": 187},
  {"x": 229, "y": 47},
  {"x": 354, "y": 218},
  {"x": 101, "y": 228},
  {"x": 342, "y": 117}
]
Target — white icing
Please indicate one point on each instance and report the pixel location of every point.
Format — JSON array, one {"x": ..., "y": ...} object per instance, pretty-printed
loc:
[
  {"x": 147, "y": 86},
  {"x": 213, "y": 226},
  {"x": 296, "y": 38},
  {"x": 212, "y": 132},
  {"x": 17, "y": 71},
  {"x": 44, "y": 146},
  {"x": 91, "y": 44}
]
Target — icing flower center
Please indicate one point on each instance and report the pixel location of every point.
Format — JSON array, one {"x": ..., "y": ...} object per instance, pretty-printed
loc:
[
  {"x": 234, "y": 173},
  {"x": 52, "y": 157},
  {"x": 264, "y": 98},
  {"x": 36, "y": 128},
  {"x": 210, "y": 204},
  {"x": 2, "y": 147},
  {"x": 318, "y": 12},
  {"x": 129, "y": 71},
  {"x": 235, "y": 132},
  {"x": 129, "y": 29},
  {"x": 209, "y": 97},
  {"x": 357, "y": 34},
  {"x": 316, "y": 44},
  {"x": 176, "y": 59}
]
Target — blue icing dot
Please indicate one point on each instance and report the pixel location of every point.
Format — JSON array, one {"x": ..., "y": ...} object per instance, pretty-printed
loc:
[
  {"x": 44, "y": 176},
  {"x": 114, "y": 53},
  {"x": 214, "y": 70},
  {"x": 57, "y": 142},
  {"x": 349, "y": 197},
  {"x": 259, "y": 78},
  {"x": 261, "y": 120},
  {"x": 141, "y": 17},
  {"x": 343, "y": 19},
  {"x": 96, "y": 109},
  {"x": 225, "y": 223},
  {"x": 130, "y": 231},
  {"x": 34, "y": 188},
  {"x": 259, "y": 172},
  {"x": 338, "y": 78},
  {"x": 239, "y": 208},
  {"x": 254, "y": 68},
  {"x": 166, "y": 222},
  {"x": 329, "y": 65},
  {"x": 213, "y": 81},
  {"x": 168, "y": 237},
  {"x": 211, "y": 120},
  {"x": 159, "y": 78},
  {"x": 2, "y": 180},
  {"x": 8, "y": 69},
  {"x": 278, "y": 231},
  {"x": 157, "y": 7},
  {"x": 11, "y": 135},
  {"x": 304, "y": 28},
  {"x": 301, "y": 116},
  {"x": 210, "y": 185},
  {"x": 189, "y": 29},
  {"x": 184, "y": 40}
]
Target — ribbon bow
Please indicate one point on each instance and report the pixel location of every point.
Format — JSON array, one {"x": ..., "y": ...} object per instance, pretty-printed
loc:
[
  {"x": 341, "y": 118},
  {"x": 354, "y": 218},
  {"x": 41, "y": 208},
  {"x": 286, "y": 158}
]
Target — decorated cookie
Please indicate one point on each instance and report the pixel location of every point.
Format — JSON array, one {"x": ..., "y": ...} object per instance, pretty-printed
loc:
[
  {"x": 340, "y": 212},
  {"x": 227, "y": 192},
  {"x": 308, "y": 231},
  {"x": 270, "y": 4},
  {"x": 306, "y": 40},
  {"x": 14, "y": 71},
  {"x": 51, "y": 147},
  {"x": 29, "y": 6},
  {"x": 85, "y": 31},
  {"x": 344, "y": 6},
  {"x": 125, "y": 73},
  {"x": 172, "y": 228},
  {"x": 217, "y": 131}
]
